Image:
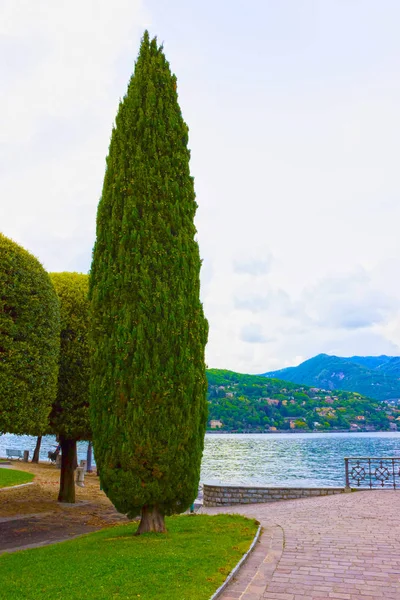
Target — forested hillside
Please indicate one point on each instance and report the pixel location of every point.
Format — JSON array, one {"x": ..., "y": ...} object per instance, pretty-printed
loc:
[{"x": 254, "y": 403}]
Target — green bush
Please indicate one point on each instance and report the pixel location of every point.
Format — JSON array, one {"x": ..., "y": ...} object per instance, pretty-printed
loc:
[{"x": 29, "y": 341}]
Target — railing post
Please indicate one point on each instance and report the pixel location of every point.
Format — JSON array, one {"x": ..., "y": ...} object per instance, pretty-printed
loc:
[
  {"x": 394, "y": 474},
  {"x": 346, "y": 470}
]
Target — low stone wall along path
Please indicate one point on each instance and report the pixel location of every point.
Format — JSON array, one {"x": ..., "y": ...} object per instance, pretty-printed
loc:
[
  {"x": 344, "y": 547},
  {"x": 228, "y": 495}
]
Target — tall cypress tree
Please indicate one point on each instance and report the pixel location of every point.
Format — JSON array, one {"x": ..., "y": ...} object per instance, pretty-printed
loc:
[{"x": 148, "y": 331}]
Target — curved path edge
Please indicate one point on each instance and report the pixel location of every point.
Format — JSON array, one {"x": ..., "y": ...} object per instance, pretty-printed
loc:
[
  {"x": 14, "y": 487},
  {"x": 253, "y": 579},
  {"x": 236, "y": 569}
]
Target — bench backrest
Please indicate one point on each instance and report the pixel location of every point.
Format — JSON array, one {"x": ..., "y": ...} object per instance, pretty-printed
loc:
[{"x": 11, "y": 452}]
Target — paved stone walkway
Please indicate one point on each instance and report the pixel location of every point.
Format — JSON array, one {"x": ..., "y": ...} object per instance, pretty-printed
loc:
[{"x": 344, "y": 547}]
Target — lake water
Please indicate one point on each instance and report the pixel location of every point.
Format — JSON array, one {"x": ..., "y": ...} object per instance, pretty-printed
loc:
[{"x": 306, "y": 459}]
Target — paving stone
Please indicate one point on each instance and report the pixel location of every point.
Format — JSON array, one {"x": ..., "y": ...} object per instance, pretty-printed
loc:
[{"x": 339, "y": 547}]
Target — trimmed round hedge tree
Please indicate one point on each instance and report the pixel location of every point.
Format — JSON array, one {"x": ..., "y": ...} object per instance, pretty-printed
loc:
[
  {"x": 29, "y": 341},
  {"x": 148, "y": 331},
  {"x": 69, "y": 418}
]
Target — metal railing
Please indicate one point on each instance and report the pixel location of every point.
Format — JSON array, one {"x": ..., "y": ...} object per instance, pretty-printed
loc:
[{"x": 372, "y": 472}]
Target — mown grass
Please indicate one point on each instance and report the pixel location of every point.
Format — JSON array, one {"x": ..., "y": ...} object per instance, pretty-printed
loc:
[
  {"x": 9, "y": 477},
  {"x": 188, "y": 563}
]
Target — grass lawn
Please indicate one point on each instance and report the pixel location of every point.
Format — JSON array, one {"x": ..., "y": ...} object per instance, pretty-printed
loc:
[
  {"x": 188, "y": 563},
  {"x": 10, "y": 477}
]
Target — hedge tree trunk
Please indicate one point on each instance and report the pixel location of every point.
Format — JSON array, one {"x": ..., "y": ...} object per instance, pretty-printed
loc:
[
  {"x": 152, "y": 520},
  {"x": 89, "y": 455},
  {"x": 36, "y": 453},
  {"x": 68, "y": 466}
]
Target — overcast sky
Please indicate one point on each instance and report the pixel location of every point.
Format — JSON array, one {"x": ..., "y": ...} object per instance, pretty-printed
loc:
[{"x": 293, "y": 111}]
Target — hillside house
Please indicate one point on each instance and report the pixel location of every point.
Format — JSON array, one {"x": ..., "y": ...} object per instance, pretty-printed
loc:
[
  {"x": 272, "y": 401},
  {"x": 216, "y": 424},
  {"x": 326, "y": 412},
  {"x": 292, "y": 421}
]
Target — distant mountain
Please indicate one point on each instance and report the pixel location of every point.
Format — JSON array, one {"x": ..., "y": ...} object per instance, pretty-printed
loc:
[
  {"x": 391, "y": 367},
  {"x": 371, "y": 362},
  {"x": 384, "y": 364},
  {"x": 255, "y": 403},
  {"x": 372, "y": 376}
]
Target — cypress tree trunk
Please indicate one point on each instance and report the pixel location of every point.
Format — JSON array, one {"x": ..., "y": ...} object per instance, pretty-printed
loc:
[
  {"x": 152, "y": 520},
  {"x": 68, "y": 466},
  {"x": 35, "y": 458}
]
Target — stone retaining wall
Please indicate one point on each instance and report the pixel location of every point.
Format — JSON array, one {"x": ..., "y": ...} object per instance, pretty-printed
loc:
[{"x": 226, "y": 495}]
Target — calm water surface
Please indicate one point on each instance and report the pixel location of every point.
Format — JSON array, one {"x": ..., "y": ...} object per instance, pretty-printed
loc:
[{"x": 308, "y": 459}]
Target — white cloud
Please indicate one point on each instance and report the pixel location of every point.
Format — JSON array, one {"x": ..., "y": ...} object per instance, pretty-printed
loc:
[
  {"x": 253, "y": 334},
  {"x": 294, "y": 143},
  {"x": 259, "y": 264},
  {"x": 252, "y": 303},
  {"x": 349, "y": 301},
  {"x": 66, "y": 66}
]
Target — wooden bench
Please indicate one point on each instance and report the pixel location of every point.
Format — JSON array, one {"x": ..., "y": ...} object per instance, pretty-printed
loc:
[{"x": 10, "y": 453}]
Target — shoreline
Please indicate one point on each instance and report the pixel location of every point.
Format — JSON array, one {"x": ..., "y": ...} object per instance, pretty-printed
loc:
[{"x": 294, "y": 432}]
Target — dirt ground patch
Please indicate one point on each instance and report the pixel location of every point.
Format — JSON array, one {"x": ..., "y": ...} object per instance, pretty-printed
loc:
[
  {"x": 32, "y": 515},
  {"x": 42, "y": 495}
]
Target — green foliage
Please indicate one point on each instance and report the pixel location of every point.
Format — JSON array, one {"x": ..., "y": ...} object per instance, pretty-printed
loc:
[
  {"x": 373, "y": 376},
  {"x": 255, "y": 403},
  {"x": 70, "y": 412},
  {"x": 10, "y": 477},
  {"x": 148, "y": 331},
  {"x": 189, "y": 562},
  {"x": 29, "y": 341}
]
